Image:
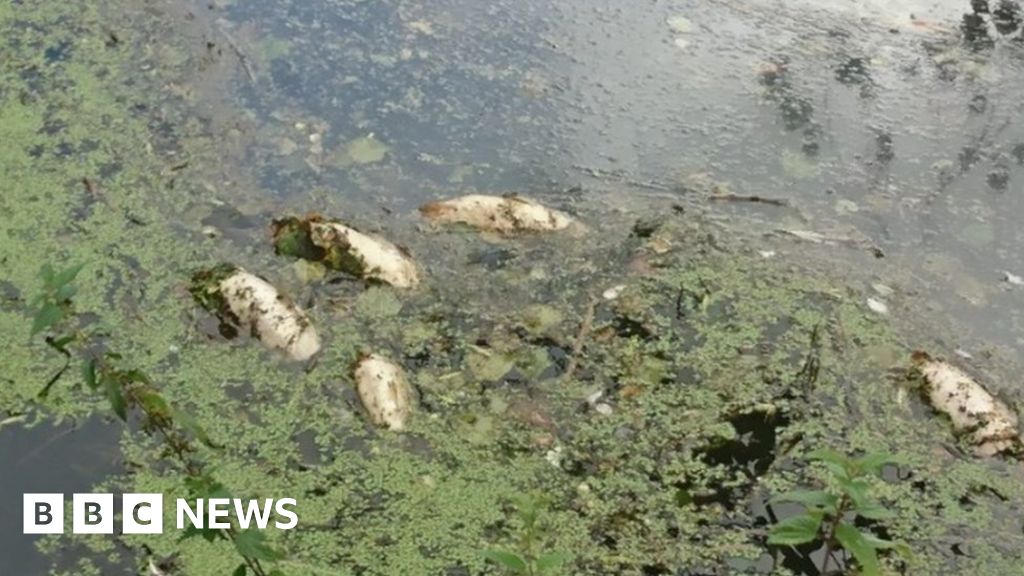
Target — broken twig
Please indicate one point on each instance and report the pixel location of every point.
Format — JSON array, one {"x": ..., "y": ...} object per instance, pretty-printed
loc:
[
  {"x": 581, "y": 337},
  {"x": 242, "y": 57},
  {"x": 752, "y": 198}
]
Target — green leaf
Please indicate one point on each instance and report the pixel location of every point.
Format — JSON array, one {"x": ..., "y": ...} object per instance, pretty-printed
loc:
[
  {"x": 112, "y": 389},
  {"x": 65, "y": 293},
  {"x": 835, "y": 461},
  {"x": 878, "y": 543},
  {"x": 89, "y": 373},
  {"x": 240, "y": 571},
  {"x": 872, "y": 462},
  {"x": 61, "y": 343},
  {"x": 208, "y": 534},
  {"x": 796, "y": 530},
  {"x": 855, "y": 489},
  {"x": 206, "y": 487},
  {"x": 873, "y": 510},
  {"x": 154, "y": 404},
  {"x": 130, "y": 376},
  {"x": 46, "y": 317},
  {"x": 864, "y": 504},
  {"x": 252, "y": 544},
  {"x": 854, "y": 542},
  {"x": 528, "y": 507},
  {"x": 829, "y": 455},
  {"x": 46, "y": 273},
  {"x": 810, "y": 498},
  {"x": 509, "y": 560},
  {"x": 65, "y": 276},
  {"x": 551, "y": 560},
  {"x": 190, "y": 425}
]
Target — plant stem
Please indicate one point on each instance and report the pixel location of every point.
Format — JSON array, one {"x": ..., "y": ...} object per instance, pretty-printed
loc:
[
  {"x": 830, "y": 539},
  {"x": 180, "y": 448}
]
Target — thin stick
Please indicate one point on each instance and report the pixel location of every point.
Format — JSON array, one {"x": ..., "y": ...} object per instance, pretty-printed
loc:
[
  {"x": 618, "y": 176},
  {"x": 577, "y": 349},
  {"x": 242, "y": 57},
  {"x": 753, "y": 198}
]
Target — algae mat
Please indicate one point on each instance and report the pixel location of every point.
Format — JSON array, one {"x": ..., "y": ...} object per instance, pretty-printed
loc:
[{"x": 693, "y": 396}]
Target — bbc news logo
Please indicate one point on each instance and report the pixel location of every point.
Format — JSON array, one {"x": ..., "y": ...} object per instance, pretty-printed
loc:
[{"x": 144, "y": 513}]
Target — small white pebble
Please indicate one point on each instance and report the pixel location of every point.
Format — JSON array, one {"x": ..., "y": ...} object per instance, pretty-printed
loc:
[
  {"x": 878, "y": 306},
  {"x": 613, "y": 292},
  {"x": 767, "y": 253},
  {"x": 963, "y": 354},
  {"x": 210, "y": 231},
  {"x": 603, "y": 409}
]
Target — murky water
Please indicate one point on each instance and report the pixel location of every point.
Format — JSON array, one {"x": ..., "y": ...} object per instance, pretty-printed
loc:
[
  {"x": 874, "y": 123},
  {"x": 84, "y": 454},
  {"x": 873, "y": 119}
]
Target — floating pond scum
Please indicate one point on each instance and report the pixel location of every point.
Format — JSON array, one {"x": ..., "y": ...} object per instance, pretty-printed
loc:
[{"x": 602, "y": 372}]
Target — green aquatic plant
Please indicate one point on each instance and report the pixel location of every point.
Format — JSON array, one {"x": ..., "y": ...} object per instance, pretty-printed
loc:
[
  {"x": 830, "y": 516},
  {"x": 527, "y": 559},
  {"x": 129, "y": 390}
]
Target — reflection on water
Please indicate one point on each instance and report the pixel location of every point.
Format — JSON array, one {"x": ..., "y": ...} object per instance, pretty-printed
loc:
[{"x": 48, "y": 459}]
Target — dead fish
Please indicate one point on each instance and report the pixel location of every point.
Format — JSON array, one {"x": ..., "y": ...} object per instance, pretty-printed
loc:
[
  {"x": 987, "y": 421},
  {"x": 503, "y": 214},
  {"x": 341, "y": 247},
  {"x": 384, "y": 391},
  {"x": 246, "y": 300}
]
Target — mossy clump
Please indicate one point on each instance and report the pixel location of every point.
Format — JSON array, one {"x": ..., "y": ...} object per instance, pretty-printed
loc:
[
  {"x": 294, "y": 237},
  {"x": 205, "y": 288}
]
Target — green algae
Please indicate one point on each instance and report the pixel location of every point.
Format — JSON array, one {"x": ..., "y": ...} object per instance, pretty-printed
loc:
[{"x": 702, "y": 361}]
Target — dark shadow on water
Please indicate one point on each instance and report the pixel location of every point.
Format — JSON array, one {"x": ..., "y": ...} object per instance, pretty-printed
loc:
[{"x": 48, "y": 459}]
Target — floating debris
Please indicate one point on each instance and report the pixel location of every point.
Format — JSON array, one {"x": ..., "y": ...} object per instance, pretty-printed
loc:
[
  {"x": 340, "y": 247},
  {"x": 1013, "y": 279},
  {"x": 384, "y": 391},
  {"x": 832, "y": 240},
  {"x": 679, "y": 24},
  {"x": 882, "y": 290},
  {"x": 503, "y": 214},
  {"x": 844, "y": 206},
  {"x": 987, "y": 421},
  {"x": 365, "y": 150},
  {"x": 245, "y": 300},
  {"x": 877, "y": 306}
]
